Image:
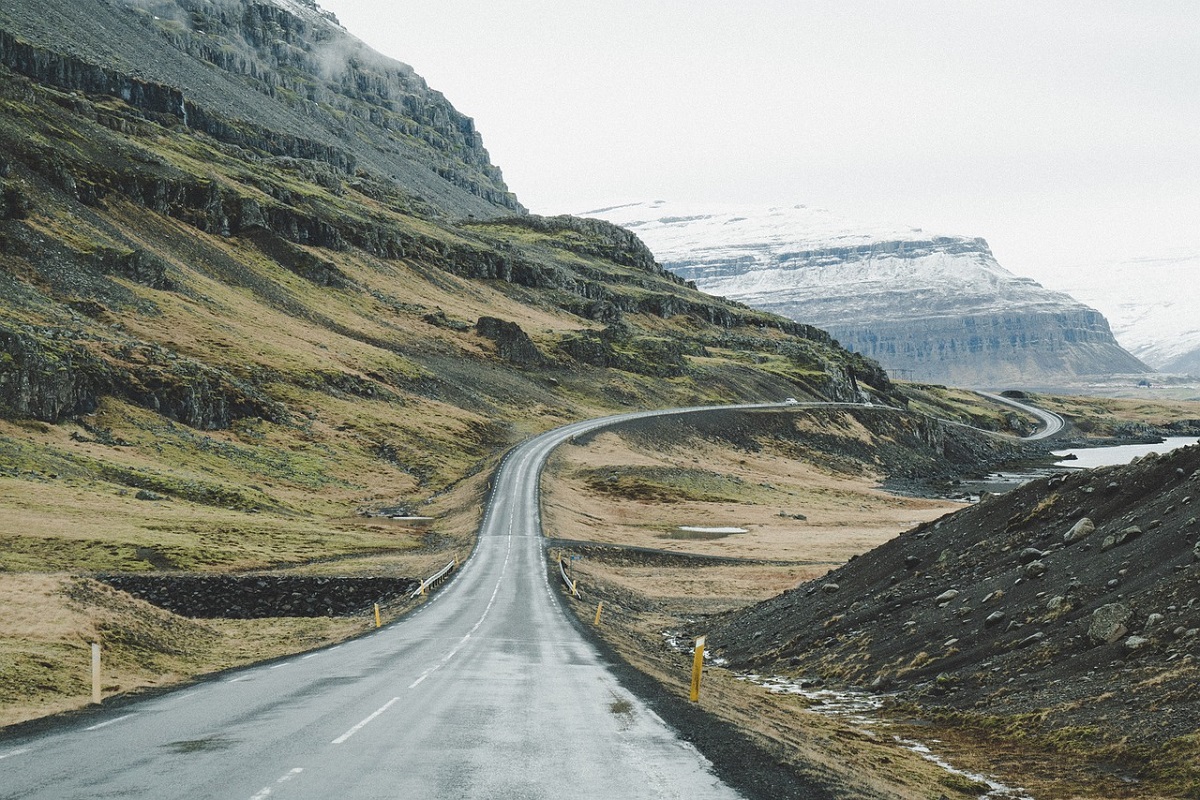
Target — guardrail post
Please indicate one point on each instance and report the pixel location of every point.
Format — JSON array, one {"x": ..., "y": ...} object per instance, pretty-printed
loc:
[
  {"x": 599, "y": 608},
  {"x": 378, "y": 623},
  {"x": 96, "y": 672},
  {"x": 697, "y": 668}
]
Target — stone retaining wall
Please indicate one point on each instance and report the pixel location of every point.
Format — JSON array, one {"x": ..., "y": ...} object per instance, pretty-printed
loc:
[{"x": 257, "y": 596}]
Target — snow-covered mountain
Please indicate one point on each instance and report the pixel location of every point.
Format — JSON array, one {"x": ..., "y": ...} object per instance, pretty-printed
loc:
[
  {"x": 927, "y": 307},
  {"x": 1152, "y": 303}
]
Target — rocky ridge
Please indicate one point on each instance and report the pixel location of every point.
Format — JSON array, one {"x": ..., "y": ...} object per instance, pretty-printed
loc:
[
  {"x": 281, "y": 78},
  {"x": 928, "y": 307}
]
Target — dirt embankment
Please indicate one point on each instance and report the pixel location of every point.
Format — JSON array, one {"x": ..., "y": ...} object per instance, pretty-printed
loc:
[{"x": 1064, "y": 615}]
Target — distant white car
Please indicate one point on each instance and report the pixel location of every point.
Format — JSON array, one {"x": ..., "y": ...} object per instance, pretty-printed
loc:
[{"x": 791, "y": 401}]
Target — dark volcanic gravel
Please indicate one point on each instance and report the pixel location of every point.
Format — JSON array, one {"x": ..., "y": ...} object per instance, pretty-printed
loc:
[{"x": 996, "y": 610}]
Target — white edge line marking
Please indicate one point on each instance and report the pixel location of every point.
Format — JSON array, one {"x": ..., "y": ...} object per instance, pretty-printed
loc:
[
  {"x": 12, "y": 753},
  {"x": 105, "y": 724},
  {"x": 266, "y": 790},
  {"x": 310, "y": 655},
  {"x": 365, "y": 722},
  {"x": 284, "y": 664},
  {"x": 235, "y": 680}
]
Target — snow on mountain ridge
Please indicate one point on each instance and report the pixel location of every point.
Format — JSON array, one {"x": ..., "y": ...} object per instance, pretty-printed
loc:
[
  {"x": 747, "y": 253},
  {"x": 930, "y": 306}
]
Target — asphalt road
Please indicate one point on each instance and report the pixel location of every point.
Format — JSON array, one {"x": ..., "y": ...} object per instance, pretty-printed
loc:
[
  {"x": 1053, "y": 422},
  {"x": 486, "y": 691}
]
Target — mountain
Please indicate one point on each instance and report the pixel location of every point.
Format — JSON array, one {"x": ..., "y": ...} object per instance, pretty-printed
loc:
[
  {"x": 276, "y": 79},
  {"x": 1151, "y": 303},
  {"x": 932, "y": 308},
  {"x": 256, "y": 279}
]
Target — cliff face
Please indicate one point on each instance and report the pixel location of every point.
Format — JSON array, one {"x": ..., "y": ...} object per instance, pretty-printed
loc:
[
  {"x": 931, "y": 308},
  {"x": 281, "y": 78}
]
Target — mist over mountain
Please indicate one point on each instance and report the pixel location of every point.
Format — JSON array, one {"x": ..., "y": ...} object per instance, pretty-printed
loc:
[
  {"x": 279, "y": 77},
  {"x": 1151, "y": 303},
  {"x": 928, "y": 307}
]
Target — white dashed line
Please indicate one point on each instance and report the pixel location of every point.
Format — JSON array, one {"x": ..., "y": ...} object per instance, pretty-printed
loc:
[
  {"x": 266, "y": 790},
  {"x": 454, "y": 650},
  {"x": 365, "y": 722},
  {"x": 236, "y": 680},
  {"x": 277, "y": 666},
  {"x": 106, "y": 724},
  {"x": 12, "y": 753}
]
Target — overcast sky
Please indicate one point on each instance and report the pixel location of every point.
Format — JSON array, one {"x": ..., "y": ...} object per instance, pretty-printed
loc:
[{"x": 1065, "y": 133}]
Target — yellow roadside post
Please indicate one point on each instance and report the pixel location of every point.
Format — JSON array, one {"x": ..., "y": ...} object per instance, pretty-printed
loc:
[
  {"x": 377, "y": 621},
  {"x": 697, "y": 668},
  {"x": 599, "y": 608},
  {"x": 96, "y": 672}
]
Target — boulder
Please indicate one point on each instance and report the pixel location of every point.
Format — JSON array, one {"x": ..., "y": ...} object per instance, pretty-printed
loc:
[
  {"x": 946, "y": 597},
  {"x": 1109, "y": 623},
  {"x": 1079, "y": 530},
  {"x": 1030, "y": 554}
]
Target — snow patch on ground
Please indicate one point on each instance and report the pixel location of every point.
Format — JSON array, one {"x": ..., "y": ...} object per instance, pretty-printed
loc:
[{"x": 859, "y": 707}]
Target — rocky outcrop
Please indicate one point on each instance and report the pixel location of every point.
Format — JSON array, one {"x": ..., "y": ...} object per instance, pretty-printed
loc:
[
  {"x": 258, "y": 596},
  {"x": 929, "y": 308},
  {"x": 50, "y": 374},
  {"x": 266, "y": 78},
  {"x": 512, "y": 343}
]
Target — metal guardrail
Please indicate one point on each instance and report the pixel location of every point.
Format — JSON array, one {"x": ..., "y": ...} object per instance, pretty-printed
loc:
[
  {"x": 435, "y": 580},
  {"x": 562, "y": 570}
]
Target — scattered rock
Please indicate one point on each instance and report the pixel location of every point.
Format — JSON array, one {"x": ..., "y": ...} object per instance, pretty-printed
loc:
[
  {"x": 1154, "y": 619},
  {"x": 1030, "y": 554},
  {"x": 1079, "y": 530},
  {"x": 994, "y": 618},
  {"x": 1136, "y": 643},
  {"x": 1108, "y": 623},
  {"x": 946, "y": 597},
  {"x": 830, "y": 588},
  {"x": 1035, "y": 569}
]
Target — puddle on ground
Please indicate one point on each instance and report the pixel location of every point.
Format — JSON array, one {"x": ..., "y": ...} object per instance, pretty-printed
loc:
[
  {"x": 208, "y": 744},
  {"x": 695, "y": 532}
]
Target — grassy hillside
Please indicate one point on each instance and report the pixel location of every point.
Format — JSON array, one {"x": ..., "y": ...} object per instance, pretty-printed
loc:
[{"x": 256, "y": 301}]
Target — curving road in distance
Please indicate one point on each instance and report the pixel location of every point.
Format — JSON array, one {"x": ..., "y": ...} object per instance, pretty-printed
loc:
[{"x": 1053, "y": 422}]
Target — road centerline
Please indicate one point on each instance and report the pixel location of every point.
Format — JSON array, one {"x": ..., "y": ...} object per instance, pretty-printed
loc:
[{"x": 365, "y": 722}]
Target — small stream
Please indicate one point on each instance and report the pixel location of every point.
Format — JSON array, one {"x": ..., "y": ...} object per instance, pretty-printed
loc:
[{"x": 1074, "y": 458}]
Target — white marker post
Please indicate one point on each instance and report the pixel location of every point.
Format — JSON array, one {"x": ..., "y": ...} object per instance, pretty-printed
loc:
[{"x": 96, "y": 673}]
